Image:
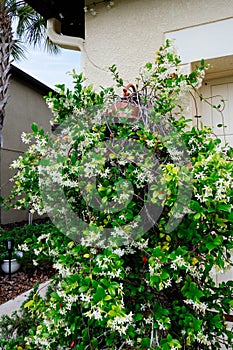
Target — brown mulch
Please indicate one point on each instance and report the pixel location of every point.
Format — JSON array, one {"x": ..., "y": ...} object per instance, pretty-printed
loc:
[{"x": 22, "y": 281}]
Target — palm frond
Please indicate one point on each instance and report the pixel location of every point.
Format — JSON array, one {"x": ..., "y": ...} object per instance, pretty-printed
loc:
[
  {"x": 19, "y": 51},
  {"x": 31, "y": 26}
]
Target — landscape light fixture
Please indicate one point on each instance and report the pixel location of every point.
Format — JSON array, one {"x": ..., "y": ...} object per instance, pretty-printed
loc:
[{"x": 9, "y": 246}]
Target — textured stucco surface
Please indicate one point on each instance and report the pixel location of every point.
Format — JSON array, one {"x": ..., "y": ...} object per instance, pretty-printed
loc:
[
  {"x": 25, "y": 106},
  {"x": 129, "y": 34}
]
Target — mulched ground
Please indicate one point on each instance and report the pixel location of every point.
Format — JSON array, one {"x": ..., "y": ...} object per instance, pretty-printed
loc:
[{"x": 21, "y": 282}]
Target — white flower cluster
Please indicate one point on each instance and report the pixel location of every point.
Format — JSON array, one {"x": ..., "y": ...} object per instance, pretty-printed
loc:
[
  {"x": 121, "y": 323},
  {"x": 222, "y": 186},
  {"x": 25, "y": 138},
  {"x": 197, "y": 305},
  {"x": 218, "y": 190},
  {"x": 108, "y": 267},
  {"x": 52, "y": 329},
  {"x": 202, "y": 339},
  {"x": 62, "y": 270},
  {"x": 16, "y": 163},
  {"x": 155, "y": 270},
  {"x": 194, "y": 271},
  {"x": 23, "y": 247},
  {"x": 194, "y": 145},
  {"x": 167, "y": 67},
  {"x": 94, "y": 312}
]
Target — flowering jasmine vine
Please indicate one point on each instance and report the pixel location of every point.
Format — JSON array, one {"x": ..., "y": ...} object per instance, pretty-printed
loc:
[{"x": 162, "y": 190}]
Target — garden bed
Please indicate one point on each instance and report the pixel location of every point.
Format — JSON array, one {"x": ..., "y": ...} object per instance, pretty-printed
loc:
[
  {"x": 26, "y": 278},
  {"x": 22, "y": 281}
]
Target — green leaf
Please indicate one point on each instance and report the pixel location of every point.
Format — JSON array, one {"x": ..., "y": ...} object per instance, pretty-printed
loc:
[
  {"x": 210, "y": 246},
  {"x": 145, "y": 343},
  {"x": 34, "y": 127},
  {"x": 55, "y": 296},
  {"x": 164, "y": 275},
  {"x": 72, "y": 327},
  {"x": 195, "y": 206},
  {"x": 112, "y": 313},
  {"x": 191, "y": 291},
  {"x": 213, "y": 243},
  {"x": 45, "y": 161},
  {"x": 224, "y": 207},
  {"x": 149, "y": 65},
  {"x": 29, "y": 303},
  {"x": 138, "y": 317},
  {"x": 28, "y": 240},
  {"x": 100, "y": 294},
  {"x": 197, "y": 216},
  {"x": 104, "y": 199},
  {"x": 105, "y": 282},
  {"x": 73, "y": 159},
  {"x": 230, "y": 217},
  {"x": 83, "y": 289},
  {"x": 112, "y": 291},
  {"x": 109, "y": 190}
]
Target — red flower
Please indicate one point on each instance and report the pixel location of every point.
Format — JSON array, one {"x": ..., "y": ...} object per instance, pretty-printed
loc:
[
  {"x": 72, "y": 344},
  {"x": 61, "y": 304},
  {"x": 144, "y": 259}
]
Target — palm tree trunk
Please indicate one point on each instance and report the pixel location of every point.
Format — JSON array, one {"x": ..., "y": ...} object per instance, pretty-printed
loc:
[{"x": 6, "y": 44}]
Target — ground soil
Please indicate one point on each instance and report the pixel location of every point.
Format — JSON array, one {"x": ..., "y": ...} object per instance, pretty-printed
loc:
[{"x": 22, "y": 281}]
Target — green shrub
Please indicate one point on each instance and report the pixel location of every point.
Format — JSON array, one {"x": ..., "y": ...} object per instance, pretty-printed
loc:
[
  {"x": 22, "y": 236},
  {"x": 128, "y": 278}
]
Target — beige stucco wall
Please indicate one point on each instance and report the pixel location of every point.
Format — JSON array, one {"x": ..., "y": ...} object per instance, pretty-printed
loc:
[
  {"x": 25, "y": 106},
  {"x": 129, "y": 34}
]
